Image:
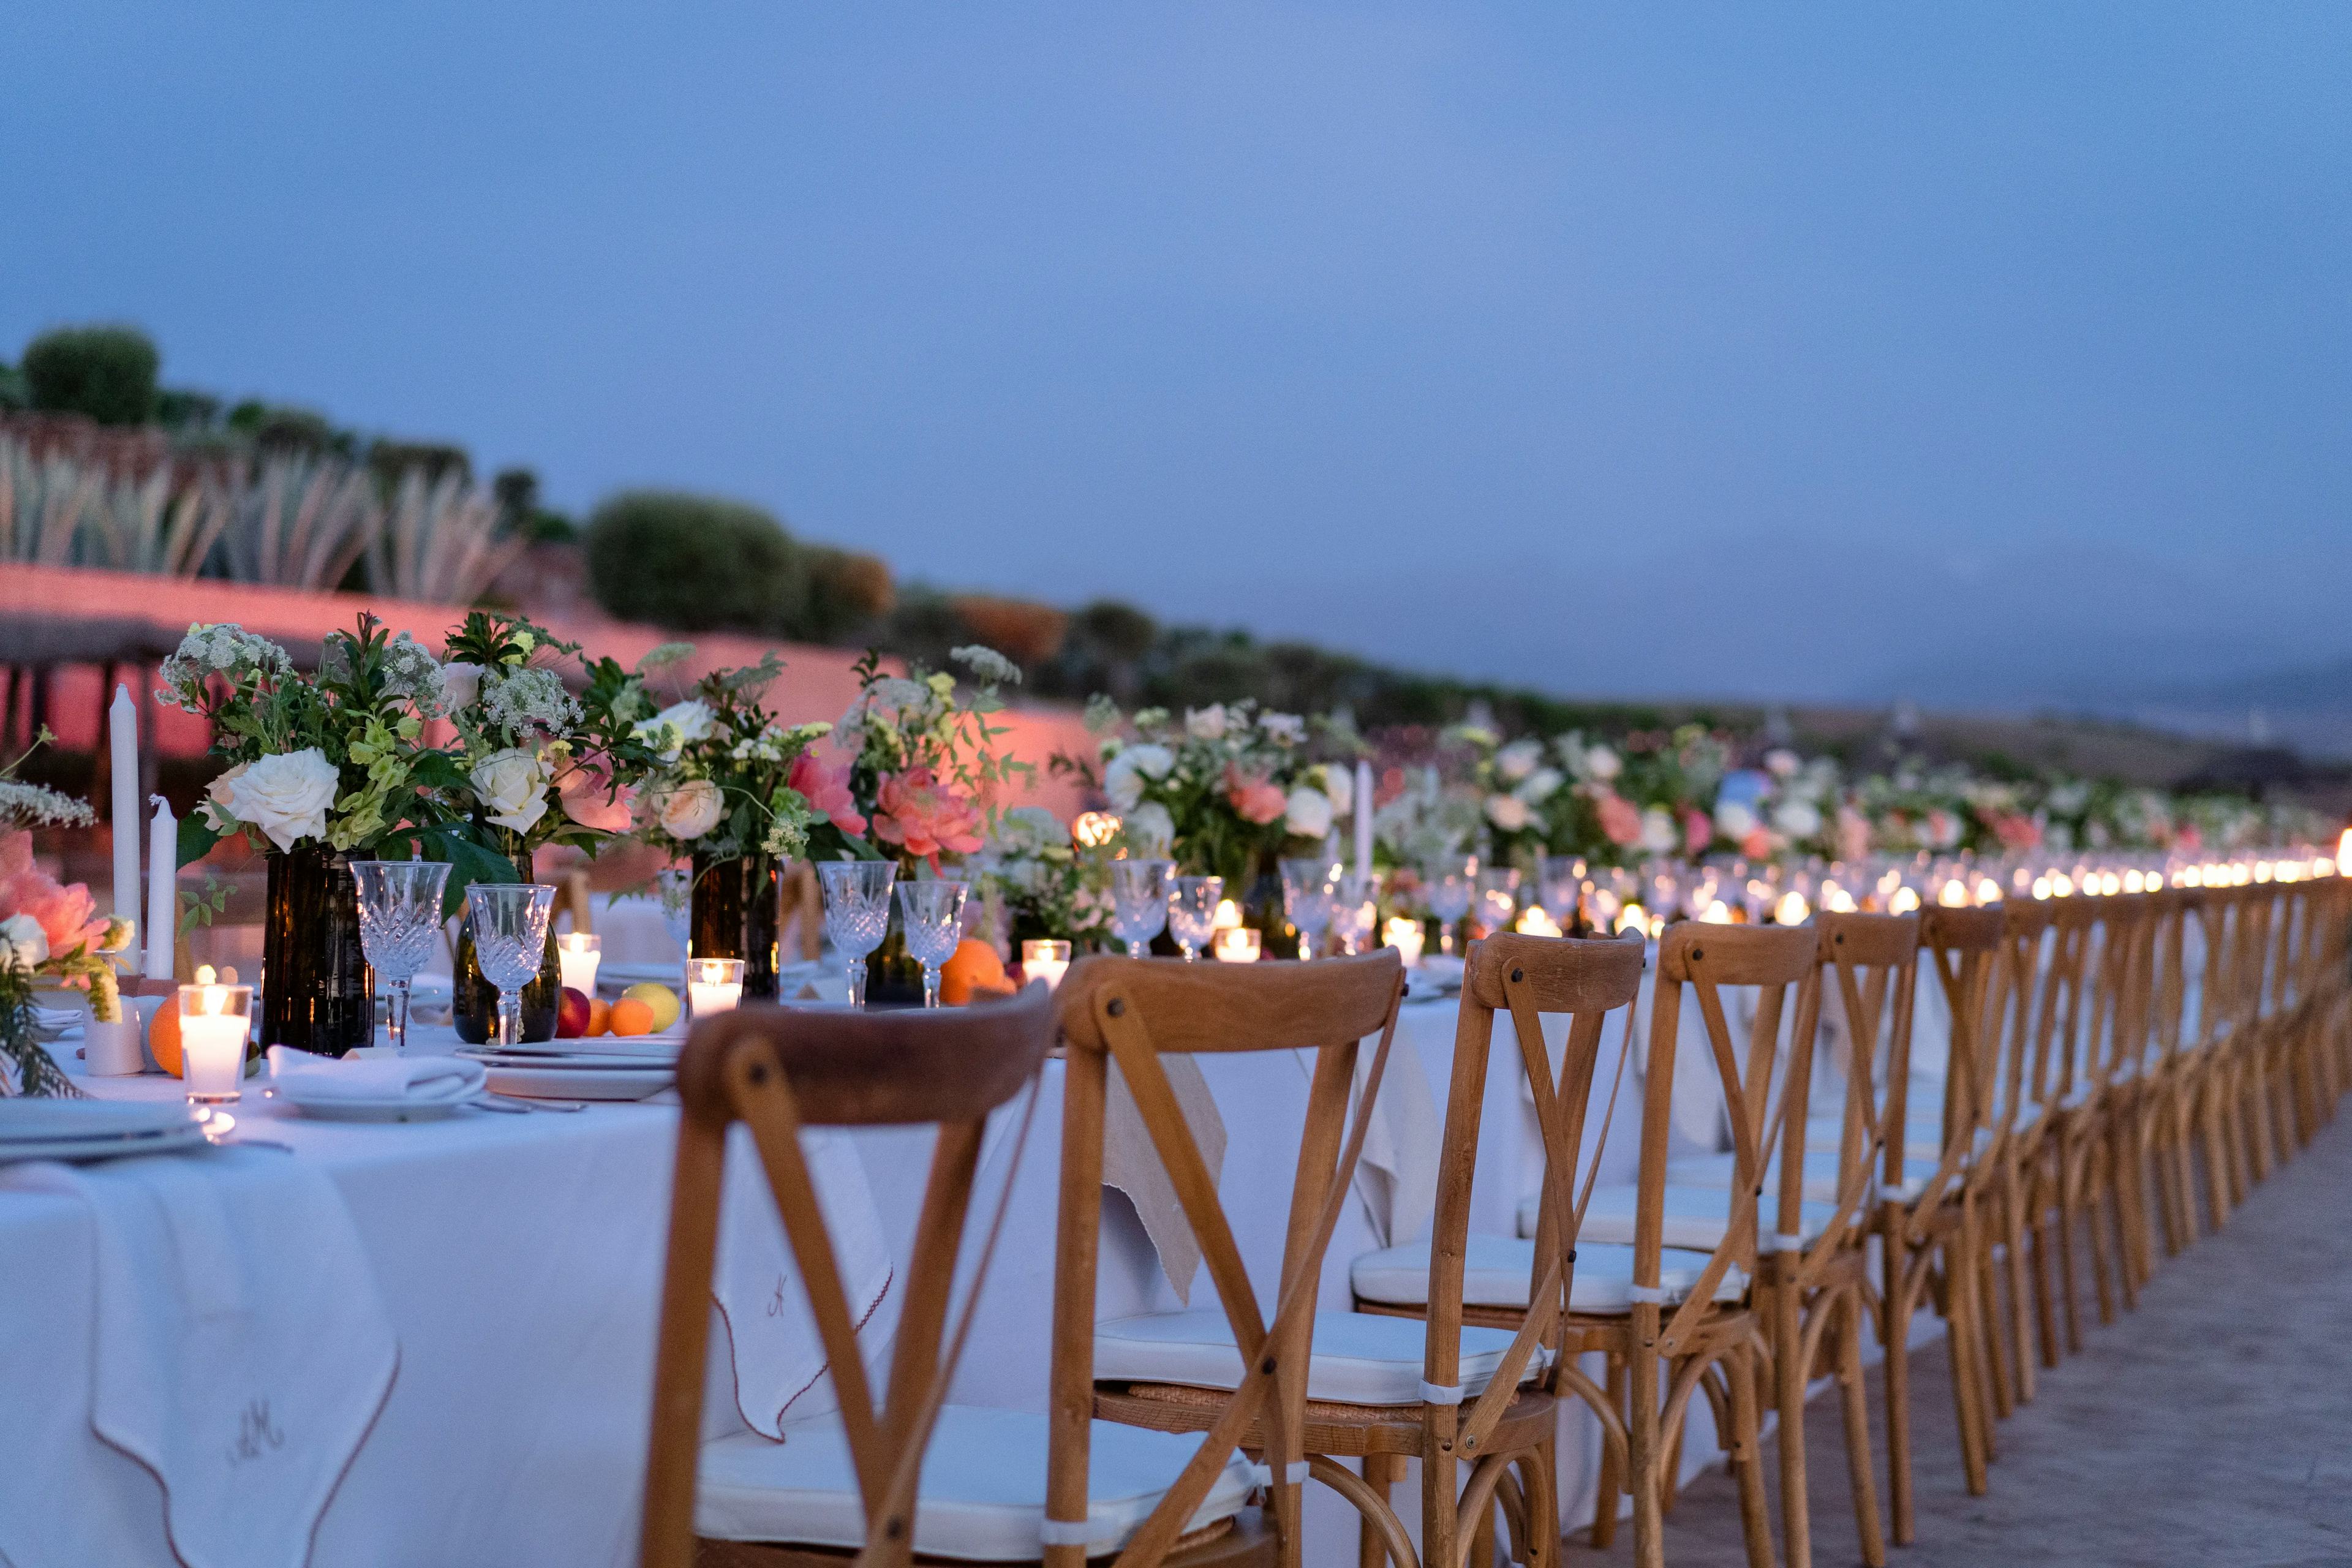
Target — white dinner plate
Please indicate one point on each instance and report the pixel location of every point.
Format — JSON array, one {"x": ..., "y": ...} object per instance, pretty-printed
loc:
[
  {"x": 391, "y": 1108},
  {"x": 95, "y": 1129},
  {"x": 613, "y": 1080},
  {"x": 593, "y": 1047}
]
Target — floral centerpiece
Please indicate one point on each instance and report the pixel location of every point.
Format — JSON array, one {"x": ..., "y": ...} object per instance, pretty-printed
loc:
[
  {"x": 321, "y": 770},
  {"x": 49, "y": 933},
  {"x": 1521, "y": 793},
  {"x": 1037, "y": 880}
]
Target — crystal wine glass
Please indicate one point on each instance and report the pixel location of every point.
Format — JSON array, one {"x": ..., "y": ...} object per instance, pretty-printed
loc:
[
  {"x": 1139, "y": 902},
  {"x": 1498, "y": 897},
  {"x": 1450, "y": 878},
  {"x": 1354, "y": 910},
  {"x": 933, "y": 913},
  {"x": 510, "y": 922},
  {"x": 400, "y": 919},
  {"x": 1309, "y": 887},
  {"x": 1192, "y": 912},
  {"x": 857, "y": 912},
  {"x": 674, "y": 886}
]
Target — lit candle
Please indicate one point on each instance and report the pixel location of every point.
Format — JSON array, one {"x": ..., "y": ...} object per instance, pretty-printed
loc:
[
  {"x": 1534, "y": 921},
  {"x": 1229, "y": 914},
  {"x": 1238, "y": 946},
  {"x": 1404, "y": 933},
  {"x": 1792, "y": 911},
  {"x": 1044, "y": 959},
  {"x": 578, "y": 953},
  {"x": 1905, "y": 900},
  {"x": 1364, "y": 821},
  {"x": 1634, "y": 917},
  {"x": 163, "y": 880},
  {"x": 714, "y": 986},
  {"x": 123, "y": 739},
  {"x": 214, "y": 1022}
]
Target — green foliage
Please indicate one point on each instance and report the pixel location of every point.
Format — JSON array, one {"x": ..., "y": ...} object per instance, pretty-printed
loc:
[
  {"x": 392, "y": 460},
  {"x": 279, "y": 429},
  {"x": 103, "y": 371},
  {"x": 695, "y": 562},
  {"x": 848, "y": 595},
  {"x": 13, "y": 394},
  {"x": 181, "y": 411}
]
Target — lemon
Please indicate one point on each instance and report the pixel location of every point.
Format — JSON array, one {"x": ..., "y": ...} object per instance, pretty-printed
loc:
[{"x": 659, "y": 998}]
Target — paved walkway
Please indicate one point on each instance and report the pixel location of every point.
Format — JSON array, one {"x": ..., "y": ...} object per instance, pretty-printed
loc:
[{"x": 2213, "y": 1426}]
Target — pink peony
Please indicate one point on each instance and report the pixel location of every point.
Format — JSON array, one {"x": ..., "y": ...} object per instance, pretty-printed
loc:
[
  {"x": 827, "y": 792},
  {"x": 1699, "y": 831},
  {"x": 1254, "y": 797},
  {"x": 588, "y": 799},
  {"x": 923, "y": 817},
  {"x": 2015, "y": 831},
  {"x": 2190, "y": 840},
  {"x": 1757, "y": 844},
  {"x": 65, "y": 912},
  {"x": 1620, "y": 819}
]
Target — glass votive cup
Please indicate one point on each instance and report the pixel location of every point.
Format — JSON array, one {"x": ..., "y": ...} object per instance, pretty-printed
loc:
[
  {"x": 713, "y": 984},
  {"x": 1239, "y": 945},
  {"x": 579, "y": 953},
  {"x": 1044, "y": 959},
  {"x": 215, "y": 1022}
]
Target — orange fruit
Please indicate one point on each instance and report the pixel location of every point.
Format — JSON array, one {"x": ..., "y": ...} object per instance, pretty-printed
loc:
[
  {"x": 600, "y": 1016},
  {"x": 164, "y": 1036},
  {"x": 630, "y": 1016},
  {"x": 972, "y": 966}
]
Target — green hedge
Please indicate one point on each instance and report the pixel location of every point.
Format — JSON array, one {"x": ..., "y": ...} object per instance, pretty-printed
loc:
[
  {"x": 695, "y": 564},
  {"x": 105, "y": 372}
]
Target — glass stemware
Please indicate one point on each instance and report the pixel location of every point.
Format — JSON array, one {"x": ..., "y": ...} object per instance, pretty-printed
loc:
[
  {"x": 510, "y": 922},
  {"x": 1192, "y": 912},
  {"x": 933, "y": 913},
  {"x": 400, "y": 919},
  {"x": 1498, "y": 898},
  {"x": 1139, "y": 902},
  {"x": 674, "y": 886},
  {"x": 1308, "y": 888},
  {"x": 1354, "y": 909},
  {"x": 857, "y": 912},
  {"x": 1450, "y": 878}
]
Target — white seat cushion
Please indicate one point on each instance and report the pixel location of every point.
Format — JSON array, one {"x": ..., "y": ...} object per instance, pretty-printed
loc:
[
  {"x": 982, "y": 1490},
  {"x": 1695, "y": 1218},
  {"x": 1923, "y": 1136},
  {"x": 1359, "y": 1358},
  {"x": 1498, "y": 1270},
  {"x": 1820, "y": 1175}
]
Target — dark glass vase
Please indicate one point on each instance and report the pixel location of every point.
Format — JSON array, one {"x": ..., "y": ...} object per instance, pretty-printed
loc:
[
  {"x": 474, "y": 1001},
  {"x": 1264, "y": 911},
  {"x": 318, "y": 993},
  {"x": 734, "y": 915},
  {"x": 894, "y": 977}
]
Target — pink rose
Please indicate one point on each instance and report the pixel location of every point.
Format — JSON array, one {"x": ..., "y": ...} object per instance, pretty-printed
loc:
[
  {"x": 1620, "y": 819},
  {"x": 1757, "y": 844},
  {"x": 827, "y": 792},
  {"x": 923, "y": 817},
  {"x": 1255, "y": 798},
  {"x": 1699, "y": 831},
  {"x": 588, "y": 798}
]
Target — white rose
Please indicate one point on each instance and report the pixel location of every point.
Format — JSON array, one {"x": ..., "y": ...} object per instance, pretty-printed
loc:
[
  {"x": 692, "y": 809},
  {"x": 1539, "y": 785},
  {"x": 1123, "y": 781},
  {"x": 513, "y": 784},
  {"x": 1207, "y": 724},
  {"x": 1509, "y": 811},
  {"x": 1796, "y": 818},
  {"x": 1781, "y": 763},
  {"x": 1602, "y": 763},
  {"x": 1308, "y": 813},
  {"x": 1517, "y": 760},
  {"x": 1151, "y": 831},
  {"x": 691, "y": 719},
  {"x": 1734, "y": 820},
  {"x": 1152, "y": 761},
  {"x": 286, "y": 796},
  {"x": 22, "y": 943},
  {"x": 1658, "y": 835},
  {"x": 1338, "y": 783},
  {"x": 461, "y": 685},
  {"x": 1287, "y": 728}
]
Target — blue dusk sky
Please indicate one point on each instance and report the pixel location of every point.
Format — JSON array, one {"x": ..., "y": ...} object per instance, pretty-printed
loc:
[{"x": 1983, "y": 353}]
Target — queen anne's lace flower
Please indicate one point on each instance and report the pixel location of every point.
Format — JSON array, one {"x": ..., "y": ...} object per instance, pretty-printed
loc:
[
  {"x": 527, "y": 699},
  {"x": 209, "y": 651},
  {"x": 410, "y": 672},
  {"x": 986, "y": 664},
  {"x": 37, "y": 805}
]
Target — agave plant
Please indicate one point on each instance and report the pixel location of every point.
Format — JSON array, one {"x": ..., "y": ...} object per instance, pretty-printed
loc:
[
  {"x": 44, "y": 503},
  {"x": 444, "y": 542},
  {"x": 303, "y": 522},
  {"x": 165, "y": 524}
]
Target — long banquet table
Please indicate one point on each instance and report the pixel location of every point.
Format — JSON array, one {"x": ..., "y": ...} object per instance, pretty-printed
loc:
[{"x": 519, "y": 1260}]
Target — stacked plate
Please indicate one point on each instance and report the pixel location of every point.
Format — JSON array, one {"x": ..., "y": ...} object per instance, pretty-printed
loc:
[
  {"x": 603, "y": 1067},
  {"x": 96, "y": 1129}
]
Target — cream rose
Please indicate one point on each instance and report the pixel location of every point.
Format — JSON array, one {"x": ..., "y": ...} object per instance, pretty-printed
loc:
[
  {"x": 286, "y": 796},
  {"x": 1658, "y": 835},
  {"x": 22, "y": 943},
  {"x": 1207, "y": 724},
  {"x": 1517, "y": 760},
  {"x": 692, "y": 809},
  {"x": 1734, "y": 820},
  {"x": 1308, "y": 813},
  {"x": 1338, "y": 783},
  {"x": 1797, "y": 818},
  {"x": 1150, "y": 830},
  {"x": 1509, "y": 811},
  {"x": 512, "y": 785},
  {"x": 1602, "y": 763}
]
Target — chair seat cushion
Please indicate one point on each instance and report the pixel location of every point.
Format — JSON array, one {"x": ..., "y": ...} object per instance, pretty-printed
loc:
[
  {"x": 983, "y": 1492},
  {"x": 1695, "y": 1218},
  {"x": 1821, "y": 1176},
  {"x": 1359, "y": 1358},
  {"x": 1498, "y": 1270},
  {"x": 1923, "y": 1137}
]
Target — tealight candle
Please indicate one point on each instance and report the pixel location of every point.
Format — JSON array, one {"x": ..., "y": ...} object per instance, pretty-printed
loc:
[
  {"x": 1044, "y": 959},
  {"x": 1229, "y": 914},
  {"x": 579, "y": 953},
  {"x": 1239, "y": 945},
  {"x": 713, "y": 986},
  {"x": 1534, "y": 921},
  {"x": 1404, "y": 933},
  {"x": 214, "y": 1022}
]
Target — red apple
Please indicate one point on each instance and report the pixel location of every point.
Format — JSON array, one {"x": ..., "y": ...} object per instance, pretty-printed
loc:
[{"x": 571, "y": 1016}]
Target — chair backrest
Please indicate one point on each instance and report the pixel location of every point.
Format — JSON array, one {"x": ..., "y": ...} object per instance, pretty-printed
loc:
[
  {"x": 1965, "y": 948},
  {"x": 778, "y": 1070},
  {"x": 1527, "y": 977},
  {"x": 2013, "y": 1007},
  {"x": 1776, "y": 960},
  {"x": 1132, "y": 1011},
  {"x": 1871, "y": 963}
]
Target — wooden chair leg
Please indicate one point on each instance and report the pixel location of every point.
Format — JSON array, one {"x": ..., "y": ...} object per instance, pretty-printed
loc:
[
  {"x": 1611, "y": 1485},
  {"x": 2217, "y": 1162},
  {"x": 1989, "y": 1318},
  {"x": 1789, "y": 1371},
  {"x": 2086, "y": 1214},
  {"x": 2054, "y": 1288},
  {"x": 2069, "y": 1298},
  {"x": 2022, "y": 1342},
  {"x": 1748, "y": 1458},
  {"x": 1642, "y": 1440},
  {"x": 1670, "y": 1480},
  {"x": 1854, "y": 1395},
  {"x": 1381, "y": 1474},
  {"x": 1482, "y": 1539},
  {"x": 1962, "y": 1334},
  {"x": 1895, "y": 1333}
]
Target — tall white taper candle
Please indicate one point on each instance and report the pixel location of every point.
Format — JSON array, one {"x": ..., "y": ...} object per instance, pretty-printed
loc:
[
  {"x": 123, "y": 739},
  {"x": 163, "y": 884},
  {"x": 1364, "y": 821}
]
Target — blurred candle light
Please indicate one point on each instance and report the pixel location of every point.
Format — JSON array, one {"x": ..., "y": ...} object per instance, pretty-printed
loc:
[
  {"x": 1634, "y": 917},
  {"x": 1239, "y": 945},
  {"x": 1905, "y": 900},
  {"x": 1044, "y": 959},
  {"x": 1534, "y": 921},
  {"x": 1792, "y": 909},
  {"x": 1716, "y": 913},
  {"x": 1093, "y": 829},
  {"x": 1988, "y": 890},
  {"x": 1954, "y": 895},
  {"x": 578, "y": 954},
  {"x": 1229, "y": 914},
  {"x": 1404, "y": 933},
  {"x": 2042, "y": 888}
]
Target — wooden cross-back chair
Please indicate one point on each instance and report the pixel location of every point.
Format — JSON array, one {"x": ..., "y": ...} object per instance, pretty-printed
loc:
[
  {"x": 2067, "y": 1075},
  {"x": 2166, "y": 1120},
  {"x": 857, "y": 1487},
  {"x": 2211, "y": 1070},
  {"x": 2005, "y": 1176},
  {"x": 2134, "y": 922},
  {"x": 1245, "y": 1378}
]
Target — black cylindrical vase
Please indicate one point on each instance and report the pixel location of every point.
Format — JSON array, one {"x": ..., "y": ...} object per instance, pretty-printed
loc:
[
  {"x": 734, "y": 915},
  {"x": 318, "y": 993}
]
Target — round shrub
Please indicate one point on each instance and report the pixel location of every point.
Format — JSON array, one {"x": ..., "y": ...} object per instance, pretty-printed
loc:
[
  {"x": 694, "y": 564},
  {"x": 105, "y": 372}
]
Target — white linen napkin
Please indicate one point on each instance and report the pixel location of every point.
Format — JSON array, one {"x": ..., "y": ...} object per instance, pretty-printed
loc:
[
  {"x": 779, "y": 1359},
  {"x": 1132, "y": 1163},
  {"x": 240, "y": 1348},
  {"x": 301, "y": 1076}
]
